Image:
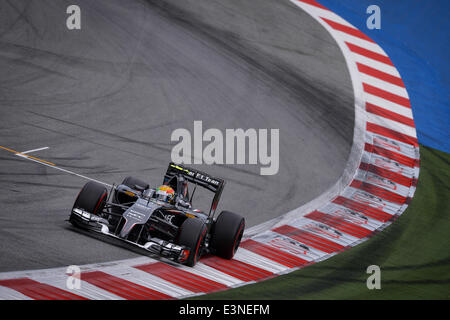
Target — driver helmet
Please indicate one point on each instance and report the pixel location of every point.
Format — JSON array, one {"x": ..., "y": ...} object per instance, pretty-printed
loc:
[{"x": 165, "y": 193}]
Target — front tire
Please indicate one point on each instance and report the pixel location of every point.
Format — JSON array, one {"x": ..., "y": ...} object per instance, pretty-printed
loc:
[
  {"x": 227, "y": 234},
  {"x": 192, "y": 235},
  {"x": 92, "y": 198}
]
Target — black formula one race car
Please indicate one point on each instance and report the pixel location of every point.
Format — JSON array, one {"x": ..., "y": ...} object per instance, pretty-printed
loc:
[{"x": 161, "y": 220}]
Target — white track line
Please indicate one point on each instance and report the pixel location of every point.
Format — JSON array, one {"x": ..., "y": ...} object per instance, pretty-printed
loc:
[
  {"x": 63, "y": 170},
  {"x": 34, "y": 150}
]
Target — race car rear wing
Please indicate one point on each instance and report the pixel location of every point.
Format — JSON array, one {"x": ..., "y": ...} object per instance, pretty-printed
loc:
[{"x": 197, "y": 177}]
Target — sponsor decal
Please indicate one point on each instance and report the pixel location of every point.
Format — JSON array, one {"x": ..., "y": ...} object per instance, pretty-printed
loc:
[
  {"x": 351, "y": 216},
  {"x": 169, "y": 217},
  {"x": 386, "y": 143},
  {"x": 388, "y": 165},
  {"x": 289, "y": 245},
  {"x": 374, "y": 179},
  {"x": 322, "y": 229},
  {"x": 369, "y": 199}
]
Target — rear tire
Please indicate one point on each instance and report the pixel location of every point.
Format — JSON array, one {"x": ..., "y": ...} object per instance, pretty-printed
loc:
[
  {"x": 192, "y": 235},
  {"x": 227, "y": 234},
  {"x": 92, "y": 198}
]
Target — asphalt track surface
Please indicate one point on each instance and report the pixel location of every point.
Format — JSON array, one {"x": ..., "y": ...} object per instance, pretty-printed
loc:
[{"x": 105, "y": 100}]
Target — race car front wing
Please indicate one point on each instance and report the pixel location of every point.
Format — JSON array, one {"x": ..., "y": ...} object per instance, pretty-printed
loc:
[{"x": 157, "y": 246}]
